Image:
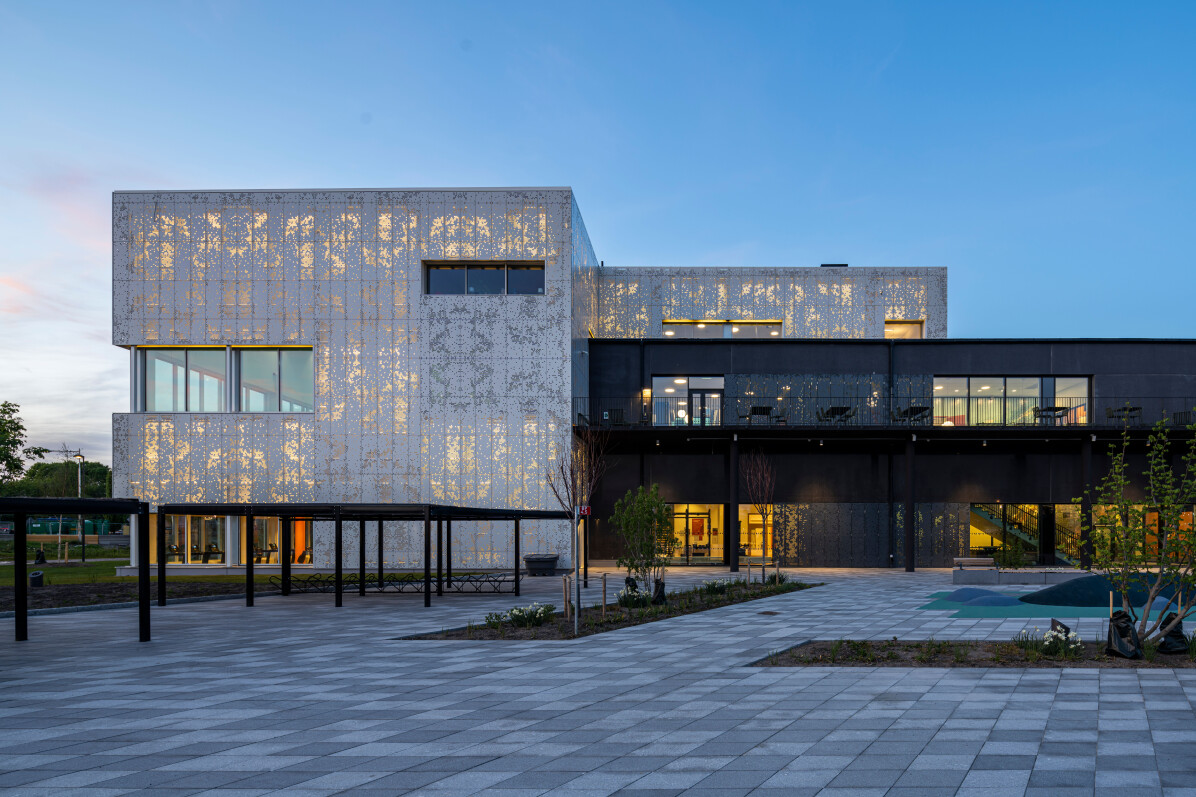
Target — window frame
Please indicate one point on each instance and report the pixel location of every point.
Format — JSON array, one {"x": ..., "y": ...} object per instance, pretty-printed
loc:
[
  {"x": 231, "y": 398},
  {"x": 465, "y": 265}
]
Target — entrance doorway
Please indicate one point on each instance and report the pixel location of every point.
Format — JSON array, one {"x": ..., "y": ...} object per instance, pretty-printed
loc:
[
  {"x": 705, "y": 407},
  {"x": 697, "y": 534}
]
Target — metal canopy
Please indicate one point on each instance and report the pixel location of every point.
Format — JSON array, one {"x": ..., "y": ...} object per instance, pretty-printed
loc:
[
  {"x": 70, "y": 506},
  {"x": 323, "y": 511}
]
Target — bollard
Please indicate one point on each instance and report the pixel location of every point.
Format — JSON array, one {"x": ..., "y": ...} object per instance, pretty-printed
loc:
[
  {"x": 604, "y": 597},
  {"x": 565, "y": 595}
]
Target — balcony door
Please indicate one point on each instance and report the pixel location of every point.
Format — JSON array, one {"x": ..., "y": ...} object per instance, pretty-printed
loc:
[{"x": 705, "y": 407}]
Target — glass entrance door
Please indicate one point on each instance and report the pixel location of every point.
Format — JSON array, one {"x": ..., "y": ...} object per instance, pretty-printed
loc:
[
  {"x": 697, "y": 536},
  {"x": 705, "y": 408}
]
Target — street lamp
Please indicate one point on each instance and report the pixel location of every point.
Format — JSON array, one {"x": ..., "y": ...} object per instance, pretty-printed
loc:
[{"x": 82, "y": 535}]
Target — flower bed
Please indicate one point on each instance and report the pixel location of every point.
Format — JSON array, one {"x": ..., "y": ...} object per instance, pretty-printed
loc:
[
  {"x": 1052, "y": 649},
  {"x": 631, "y": 608}
]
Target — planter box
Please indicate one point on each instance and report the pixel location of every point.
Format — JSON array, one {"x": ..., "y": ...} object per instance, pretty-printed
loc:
[
  {"x": 541, "y": 564},
  {"x": 1027, "y": 575}
]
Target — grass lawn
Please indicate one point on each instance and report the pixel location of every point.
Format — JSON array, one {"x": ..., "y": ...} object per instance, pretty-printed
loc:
[
  {"x": 105, "y": 573},
  {"x": 8, "y": 550}
]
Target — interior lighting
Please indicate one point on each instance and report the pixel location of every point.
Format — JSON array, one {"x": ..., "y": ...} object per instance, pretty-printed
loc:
[
  {"x": 668, "y": 333},
  {"x": 680, "y": 413},
  {"x": 701, "y": 326},
  {"x": 734, "y": 329},
  {"x": 984, "y": 387},
  {"x": 670, "y": 390},
  {"x": 938, "y": 387},
  {"x": 820, "y": 443},
  {"x": 984, "y": 444},
  {"x": 678, "y": 381},
  {"x": 774, "y": 333}
]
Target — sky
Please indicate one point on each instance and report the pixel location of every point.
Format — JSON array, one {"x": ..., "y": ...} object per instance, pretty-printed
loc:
[{"x": 1043, "y": 152}]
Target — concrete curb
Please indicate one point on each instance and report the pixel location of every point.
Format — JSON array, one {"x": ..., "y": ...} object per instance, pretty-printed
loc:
[{"x": 133, "y": 604}]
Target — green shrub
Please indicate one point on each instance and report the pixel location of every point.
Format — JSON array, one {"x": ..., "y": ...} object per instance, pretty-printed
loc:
[
  {"x": 630, "y": 598},
  {"x": 776, "y": 578}
]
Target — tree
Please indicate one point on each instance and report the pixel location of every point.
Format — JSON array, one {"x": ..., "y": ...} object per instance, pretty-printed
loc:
[
  {"x": 13, "y": 449},
  {"x": 761, "y": 480},
  {"x": 60, "y": 480},
  {"x": 1147, "y": 546},
  {"x": 572, "y": 479},
  {"x": 645, "y": 523}
]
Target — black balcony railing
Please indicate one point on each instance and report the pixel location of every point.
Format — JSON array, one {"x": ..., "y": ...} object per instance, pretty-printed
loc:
[{"x": 706, "y": 409}]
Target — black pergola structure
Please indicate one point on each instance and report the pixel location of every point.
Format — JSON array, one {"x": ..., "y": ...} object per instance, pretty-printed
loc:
[
  {"x": 363, "y": 514},
  {"x": 22, "y": 508}
]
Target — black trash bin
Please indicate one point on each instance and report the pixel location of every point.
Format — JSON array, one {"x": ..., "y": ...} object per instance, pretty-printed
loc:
[
  {"x": 540, "y": 564},
  {"x": 35, "y": 578}
]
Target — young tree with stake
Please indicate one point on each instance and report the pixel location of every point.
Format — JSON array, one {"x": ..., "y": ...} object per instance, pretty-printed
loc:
[{"x": 572, "y": 479}]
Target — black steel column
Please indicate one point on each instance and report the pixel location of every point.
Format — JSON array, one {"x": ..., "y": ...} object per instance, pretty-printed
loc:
[
  {"x": 249, "y": 554},
  {"x": 339, "y": 578},
  {"x": 448, "y": 552},
  {"x": 585, "y": 551},
  {"x": 911, "y": 520},
  {"x": 1046, "y": 535},
  {"x": 892, "y": 504},
  {"x": 517, "y": 560},
  {"x": 20, "y": 576},
  {"x": 143, "y": 574},
  {"x": 361, "y": 557},
  {"x": 161, "y": 559},
  {"x": 427, "y": 557},
  {"x": 439, "y": 548},
  {"x": 288, "y": 528},
  {"x": 380, "y": 550},
  {"x": 1086, "y": 502},
  {"x": 732, "y": 522}
]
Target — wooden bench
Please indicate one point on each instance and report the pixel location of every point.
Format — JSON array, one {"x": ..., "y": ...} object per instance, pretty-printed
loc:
[{"x": 974, "y": 561}]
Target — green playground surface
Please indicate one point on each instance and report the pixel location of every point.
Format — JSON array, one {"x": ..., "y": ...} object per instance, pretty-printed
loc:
[{"x": 941, "y": 604}]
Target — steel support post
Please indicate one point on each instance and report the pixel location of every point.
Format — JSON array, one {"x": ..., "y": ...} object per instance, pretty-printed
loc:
[
  {"x": 910, "y": 521},
  {"x": 288, "y": 529},
  {"x": 161, "y": 535},
  {"x": 427, "y": 557},
  {"x": 143, "y": 573},
  {"x": 249, "y": 555},
  {"x": 339, "y": 577},
  {"x": 20, "y": 576},
  {"x": 361, "y": 557}
]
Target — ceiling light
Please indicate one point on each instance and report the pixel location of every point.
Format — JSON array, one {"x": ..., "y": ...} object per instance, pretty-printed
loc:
[
  {"x": 678, "y": 381},
  {"x": 938, "y": 387},
  {"x": 680, "y": 413},
  {"x": 984, "y": 444},
  {"x": 774, "y": 332},
  {"x": 701, "y": 326},
  {"x": 668, "y": 332},
  {"x": 734, "y": 329},
  {"x": 669, "y": 390}
]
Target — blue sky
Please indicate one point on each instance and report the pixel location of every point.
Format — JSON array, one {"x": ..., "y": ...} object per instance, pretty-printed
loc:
[{"x": 1042, "y": 152}]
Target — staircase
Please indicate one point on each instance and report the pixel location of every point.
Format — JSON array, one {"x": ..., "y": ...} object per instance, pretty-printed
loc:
[{"x": 1024, "y": 525}]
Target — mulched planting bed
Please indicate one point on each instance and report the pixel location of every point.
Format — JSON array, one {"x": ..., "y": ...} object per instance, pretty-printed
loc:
[
  {"x": 557, "y": 627},
  {"x": 932, "y": 653},
  {"x": 58, "y": 595}
]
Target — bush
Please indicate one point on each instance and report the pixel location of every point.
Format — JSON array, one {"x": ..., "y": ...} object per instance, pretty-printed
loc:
[
  {"x": 530, "y": 616},
  {"x": 776, "y": 578},
  {"x": 632, "y": 598}
]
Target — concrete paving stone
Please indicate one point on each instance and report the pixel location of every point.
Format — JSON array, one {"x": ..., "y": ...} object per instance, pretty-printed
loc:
[{"x": 286, "y": 692}]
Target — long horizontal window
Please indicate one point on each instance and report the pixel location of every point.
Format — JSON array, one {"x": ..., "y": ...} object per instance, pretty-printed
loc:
[
  {"x": 724, "y": 329},
  {"x": 1010, "y": 400},
  {"x": 220, "y": 380},
  {"x": 484, "y": 278}
]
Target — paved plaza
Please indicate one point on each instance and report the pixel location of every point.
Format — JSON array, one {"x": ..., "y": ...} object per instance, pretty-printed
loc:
[{"x": 297, "y": 697}]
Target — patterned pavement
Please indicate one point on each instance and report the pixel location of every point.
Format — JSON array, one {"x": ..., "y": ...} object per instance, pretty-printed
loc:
[{"x": 296, "y": 697}]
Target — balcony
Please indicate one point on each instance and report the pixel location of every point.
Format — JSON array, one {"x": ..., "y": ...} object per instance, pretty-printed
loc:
[{"x": 708, "y": 409}]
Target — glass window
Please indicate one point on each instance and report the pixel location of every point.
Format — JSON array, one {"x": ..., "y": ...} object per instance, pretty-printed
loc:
[
  {"x": 165, "y": 380},
  {"x": 1071, "y": 393},
  {"x": 525, "y": 279},
  {"x": 670, "y": 401},
  {"x": 259, "y": 380},
  {"x": 298, "y": 381},
  {"x": 704, "y": 329},
  {"x": 1023, "y": 400},
  {"x": 987, "y": 395},
  {"x": 487, "y": 279},
  {"x": 950, "y": 401},
  {"x": 446, "y": 279},
  {"x": 205, "y": 380},
  {"x": 207, "y": 540},
  {"x": 906, "y": 330},
  {"x": 265, "y": 540},
  {"x": 176, "y": 538},
  {"x": 677, "y": 330}
]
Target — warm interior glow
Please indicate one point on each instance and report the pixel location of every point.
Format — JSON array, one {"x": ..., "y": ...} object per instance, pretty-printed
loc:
[
  {"x": 678, "y": 381},
  {"x": 669, "y": 390},
  {"x": 668, "y": 332}
]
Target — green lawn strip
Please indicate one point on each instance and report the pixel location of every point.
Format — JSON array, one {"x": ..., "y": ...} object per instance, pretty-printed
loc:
[{"x": 8, "y": 550}]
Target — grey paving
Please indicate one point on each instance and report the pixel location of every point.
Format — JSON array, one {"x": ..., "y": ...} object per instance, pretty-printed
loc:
[{"x": 297, "y": 697}]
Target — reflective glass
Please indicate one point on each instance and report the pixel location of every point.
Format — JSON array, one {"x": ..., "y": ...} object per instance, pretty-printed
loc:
[
  {"x": 987, "y": 395},
  {"x": 298, "y": 381},
  {"x": 1023, "y": 395},
  {"x": 670, "y": 401},
  {"x": 446, "y": 279},
  {"x": 205, "y": 380},
  {"x": 1072, "y": 392},
  {"x": 165, "y": 380},
  {"x": 487, "y": 279},
  {"x": 907, "y": 330},
  {"x": 207, "y": 540},
  {"x": 265, "y": 540},
  {"x": 525, "y": 279},
  {"x": 950, "y": 401},
  {"x": 259, "y": 380},
  {"x": 707, "y": 330}
]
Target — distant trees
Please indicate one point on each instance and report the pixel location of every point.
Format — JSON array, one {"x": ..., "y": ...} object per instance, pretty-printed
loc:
[
  {"x": 60, "y": 480},
  {"x": 14, "y": 448}
]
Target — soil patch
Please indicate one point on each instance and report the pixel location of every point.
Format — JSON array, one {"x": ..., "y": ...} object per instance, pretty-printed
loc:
[
  {"x": 932, "y": 653},
  {"x": 592, "y": 622},
  {"x": 56, "y": 595}
]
